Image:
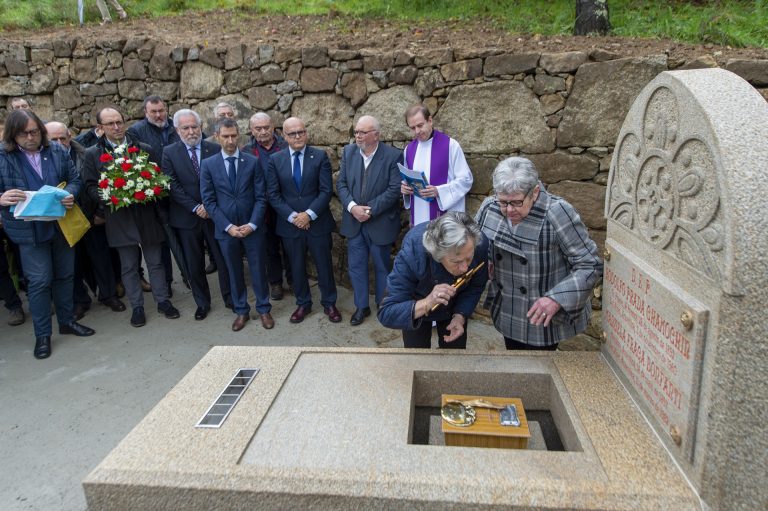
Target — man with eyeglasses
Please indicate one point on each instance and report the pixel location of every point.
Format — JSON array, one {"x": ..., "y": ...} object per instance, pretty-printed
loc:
[
  {"x": 187, "y": 215},
  {"x": 27, "y": 163},
  {"x": 234, "y": 196},
  {"x": 264, "y": 142},
  {"x": 369, "y": 190},
  {"x": 129, "y": 227},
  {"x": 442, "y": 161},
  {"x": 92, "y": 258},
  {"x": 300, "y": 186}
]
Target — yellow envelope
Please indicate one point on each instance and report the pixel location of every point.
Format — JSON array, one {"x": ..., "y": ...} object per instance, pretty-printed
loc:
[{"x": 74, "y": 224}]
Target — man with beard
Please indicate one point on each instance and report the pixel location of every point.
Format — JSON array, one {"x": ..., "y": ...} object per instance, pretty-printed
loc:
[
  {"x": 155, "y": 131},
  {"x": 187, "y": 216}
]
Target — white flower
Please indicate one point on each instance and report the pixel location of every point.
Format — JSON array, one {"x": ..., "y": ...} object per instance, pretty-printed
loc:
[
  {"x": 119, "y": 149},
  {"x": 149, "y": 192},
  {"x": 131, "y": 183}
]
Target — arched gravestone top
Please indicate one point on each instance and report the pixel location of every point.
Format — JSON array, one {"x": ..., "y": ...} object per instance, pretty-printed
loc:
[
  {"x": 686, "y": 276},
  {"x": 689, "y": 172}
]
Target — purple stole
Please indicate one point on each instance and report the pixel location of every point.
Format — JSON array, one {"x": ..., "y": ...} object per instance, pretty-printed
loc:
[{"x": 438, "y": 167}]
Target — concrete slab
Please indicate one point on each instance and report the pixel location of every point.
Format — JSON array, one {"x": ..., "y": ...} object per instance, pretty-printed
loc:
[
  {"x": 292, "y": 440},
  {"x": 63, "y": 415}
]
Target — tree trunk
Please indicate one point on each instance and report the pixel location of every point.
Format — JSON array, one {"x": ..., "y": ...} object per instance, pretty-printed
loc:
[{"x": 592, "y": 17}]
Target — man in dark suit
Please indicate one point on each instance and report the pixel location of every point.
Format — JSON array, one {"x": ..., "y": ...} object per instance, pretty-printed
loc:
[
  {"x": 263, "y": 144},
  {"x": 157, "y": 132},
  {"x": 300, "y": 186},
  {"x": 187, "y": 215},
  {"x": 92, "y": 251},
  {"x": 369, "y": 191},
  {"x": 131, "y": 226},
  {"x": 233, "y": 193}
]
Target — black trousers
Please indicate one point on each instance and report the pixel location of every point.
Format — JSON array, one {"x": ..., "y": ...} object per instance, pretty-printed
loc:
[
  {"x": 92, "y": 255},
  {"x": 191, "y": 243},
  {"x": 7, "y": 290},
  {"x": 422, "y": 336}
]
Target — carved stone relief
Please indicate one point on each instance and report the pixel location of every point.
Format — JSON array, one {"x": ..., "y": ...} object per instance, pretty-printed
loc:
[{"x": 665, "y": 186}]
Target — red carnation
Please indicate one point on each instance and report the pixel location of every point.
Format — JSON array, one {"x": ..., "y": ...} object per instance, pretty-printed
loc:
[
  {"x": 146, "y": 174},
  {"x": 119, "y": 182},
  {"x": 104, "y": 183},
  {"x": 158, "y": 190},
  {"x": 157, "y": 169},
  {"x": 114, "y": 200},
  {"x": 126, "y": 166},
  {"x": 139, "y": 196},
  {"x": 104, "y": 158},
  {"x": 133, "y": 149}
]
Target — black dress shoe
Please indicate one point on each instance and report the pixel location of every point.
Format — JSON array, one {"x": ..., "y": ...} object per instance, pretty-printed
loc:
[
  {"x": 359, "y": 316},
  {"x": 43, "y": 347},
  {"x": 211, "y": 268},
  {"x": 201, "y": 313},
  {"x": 79, "y": 311},
  {"x": 115, "y": 304},
  {"x": 168, "y": 309},
  {"x": 76, "y": 329},
  {"x": 138, "y": 318}
]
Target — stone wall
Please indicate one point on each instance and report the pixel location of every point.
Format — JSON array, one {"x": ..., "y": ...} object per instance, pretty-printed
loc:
[{"x": 563, "y": 110}]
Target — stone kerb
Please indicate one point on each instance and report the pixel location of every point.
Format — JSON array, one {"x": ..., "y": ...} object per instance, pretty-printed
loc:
[{"x": 686, "y": 276}]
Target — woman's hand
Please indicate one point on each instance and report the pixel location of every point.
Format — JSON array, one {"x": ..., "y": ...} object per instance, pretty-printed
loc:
[
  {"x": 441, "y": 294},
  {"x": 455, "y": 327},
  {"x": 542, "y": 311}
]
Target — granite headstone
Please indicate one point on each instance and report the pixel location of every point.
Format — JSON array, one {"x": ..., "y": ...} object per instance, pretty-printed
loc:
[{"x": 686, "y": 276}]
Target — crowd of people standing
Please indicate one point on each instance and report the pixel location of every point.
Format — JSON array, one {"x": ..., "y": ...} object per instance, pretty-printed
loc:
[{"x": 267, "y": 202}]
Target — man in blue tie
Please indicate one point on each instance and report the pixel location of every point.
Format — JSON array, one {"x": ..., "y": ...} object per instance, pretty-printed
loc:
[
  {"x": 300, "y": 186},
  {"x": 187, "y": 215},
  {"x": 234, "y": 196},
  {"x": 27, "y": 162}
]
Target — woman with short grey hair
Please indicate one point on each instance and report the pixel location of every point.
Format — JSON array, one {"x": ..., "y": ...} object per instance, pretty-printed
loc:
[
  {"x": 420, "y": 288},
  {"x": 542, "y": 262}
]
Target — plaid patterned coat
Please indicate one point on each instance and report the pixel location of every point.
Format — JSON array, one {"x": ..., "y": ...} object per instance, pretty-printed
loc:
[{"x": 549, "y": 254}]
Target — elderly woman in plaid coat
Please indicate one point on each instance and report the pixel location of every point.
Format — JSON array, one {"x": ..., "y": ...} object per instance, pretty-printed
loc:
[{"x": 543, "y": 264}]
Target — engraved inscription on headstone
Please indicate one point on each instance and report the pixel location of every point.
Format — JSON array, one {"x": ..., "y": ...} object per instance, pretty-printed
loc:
[{"x": 655, "y": 332}]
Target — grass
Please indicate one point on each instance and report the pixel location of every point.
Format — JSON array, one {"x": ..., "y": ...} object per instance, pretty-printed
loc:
[{"x": 734, "y": 23}]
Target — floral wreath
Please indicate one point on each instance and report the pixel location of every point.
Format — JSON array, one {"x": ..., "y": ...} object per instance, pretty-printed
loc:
[{"x": 130, "y": 178}]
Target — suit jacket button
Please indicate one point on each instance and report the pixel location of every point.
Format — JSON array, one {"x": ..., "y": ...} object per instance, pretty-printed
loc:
[
  {"x": 523, "y": 261},
  {"x": 498, "y": 257},
  {"x": 523, "y": 290}
]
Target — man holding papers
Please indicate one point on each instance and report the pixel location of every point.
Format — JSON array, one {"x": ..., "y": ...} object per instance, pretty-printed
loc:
[
  {"x": 28, "y": 162},
  {"x": 442, "y": 161}
]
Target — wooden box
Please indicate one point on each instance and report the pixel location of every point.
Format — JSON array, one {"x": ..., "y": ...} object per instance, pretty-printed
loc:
[{"x": 487, "y": 430}]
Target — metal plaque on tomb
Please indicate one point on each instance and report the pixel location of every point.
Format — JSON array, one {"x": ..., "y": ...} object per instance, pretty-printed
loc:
[{"x": 655, "y": 334}]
